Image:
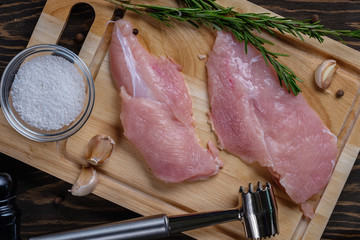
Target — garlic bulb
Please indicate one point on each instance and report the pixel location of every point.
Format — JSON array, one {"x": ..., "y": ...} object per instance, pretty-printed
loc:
[
  {"x": 99, "y": 149},
  {"x": 85, "y": 183},
  {"x": 324, "y": 73}
]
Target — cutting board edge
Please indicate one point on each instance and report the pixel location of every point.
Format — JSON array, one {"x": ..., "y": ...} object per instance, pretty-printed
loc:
[{"x": 332, "y": 193}]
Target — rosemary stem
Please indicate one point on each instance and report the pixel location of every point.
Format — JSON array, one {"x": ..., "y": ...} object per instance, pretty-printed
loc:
[{"x": 126, "y": 5}]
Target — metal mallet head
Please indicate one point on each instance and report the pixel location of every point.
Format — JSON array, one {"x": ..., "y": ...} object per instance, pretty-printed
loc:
[{"x": 257, "y": 210}]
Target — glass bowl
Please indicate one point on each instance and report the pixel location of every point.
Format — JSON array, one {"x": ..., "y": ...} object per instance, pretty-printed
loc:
[{"x": 13, "y": 117}]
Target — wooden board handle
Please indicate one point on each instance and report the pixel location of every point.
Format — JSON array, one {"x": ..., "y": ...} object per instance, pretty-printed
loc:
[{"x": 54, "y": 18}]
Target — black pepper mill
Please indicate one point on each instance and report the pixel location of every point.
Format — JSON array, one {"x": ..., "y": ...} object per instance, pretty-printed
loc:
[{"x": 9, "y": 213}]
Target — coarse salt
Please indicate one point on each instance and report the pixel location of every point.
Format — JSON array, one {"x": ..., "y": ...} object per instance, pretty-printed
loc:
[{"x": 48, "y": 92}]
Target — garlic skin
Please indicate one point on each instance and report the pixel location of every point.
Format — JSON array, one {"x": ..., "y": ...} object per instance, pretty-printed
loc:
[
  {"x": 99, "y": 149},
  {"x": 85, "y": 183},
  {"x": 325, "y": 72}
]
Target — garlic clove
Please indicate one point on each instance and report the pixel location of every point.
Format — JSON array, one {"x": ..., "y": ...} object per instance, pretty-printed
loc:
[
  {"x": 99, "y": 149},
  {"x": 325, "y": 72},
  {"x": 85, "y": 183}
]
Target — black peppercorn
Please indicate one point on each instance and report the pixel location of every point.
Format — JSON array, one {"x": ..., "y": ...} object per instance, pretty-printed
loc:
[
  {"x": 315, "y": 18},
  {"x": 340, "y": 93}
]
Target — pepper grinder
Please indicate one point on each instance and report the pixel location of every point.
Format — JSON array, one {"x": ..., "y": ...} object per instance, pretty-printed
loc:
[{"x": 9, "y": 213}]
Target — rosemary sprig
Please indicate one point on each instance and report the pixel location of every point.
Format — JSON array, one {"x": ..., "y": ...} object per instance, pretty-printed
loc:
[{"x": 242, "y": 25}]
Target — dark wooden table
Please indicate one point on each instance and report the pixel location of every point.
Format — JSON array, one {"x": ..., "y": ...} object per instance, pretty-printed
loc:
[{"x": 46, "y": 204}]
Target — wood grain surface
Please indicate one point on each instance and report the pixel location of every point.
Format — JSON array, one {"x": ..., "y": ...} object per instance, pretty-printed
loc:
[{"x": 44, "y": 200}]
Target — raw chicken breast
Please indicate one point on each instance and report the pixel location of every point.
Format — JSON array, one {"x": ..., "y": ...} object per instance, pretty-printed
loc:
[
  {"x": 257, "y": 120},
  {"x": 156, "y": 111}
]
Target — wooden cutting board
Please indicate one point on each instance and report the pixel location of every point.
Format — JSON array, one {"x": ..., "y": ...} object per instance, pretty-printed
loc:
[{"x": 126, "y": 180}]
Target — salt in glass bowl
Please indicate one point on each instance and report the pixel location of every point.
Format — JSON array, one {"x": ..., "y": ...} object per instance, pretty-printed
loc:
[{"x": 13, "y": 117}]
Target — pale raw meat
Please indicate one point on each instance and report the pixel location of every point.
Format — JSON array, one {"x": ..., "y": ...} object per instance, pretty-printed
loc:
[
  {"x": 258, "y": 120},
  {"x": 156, "y": 111}
]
